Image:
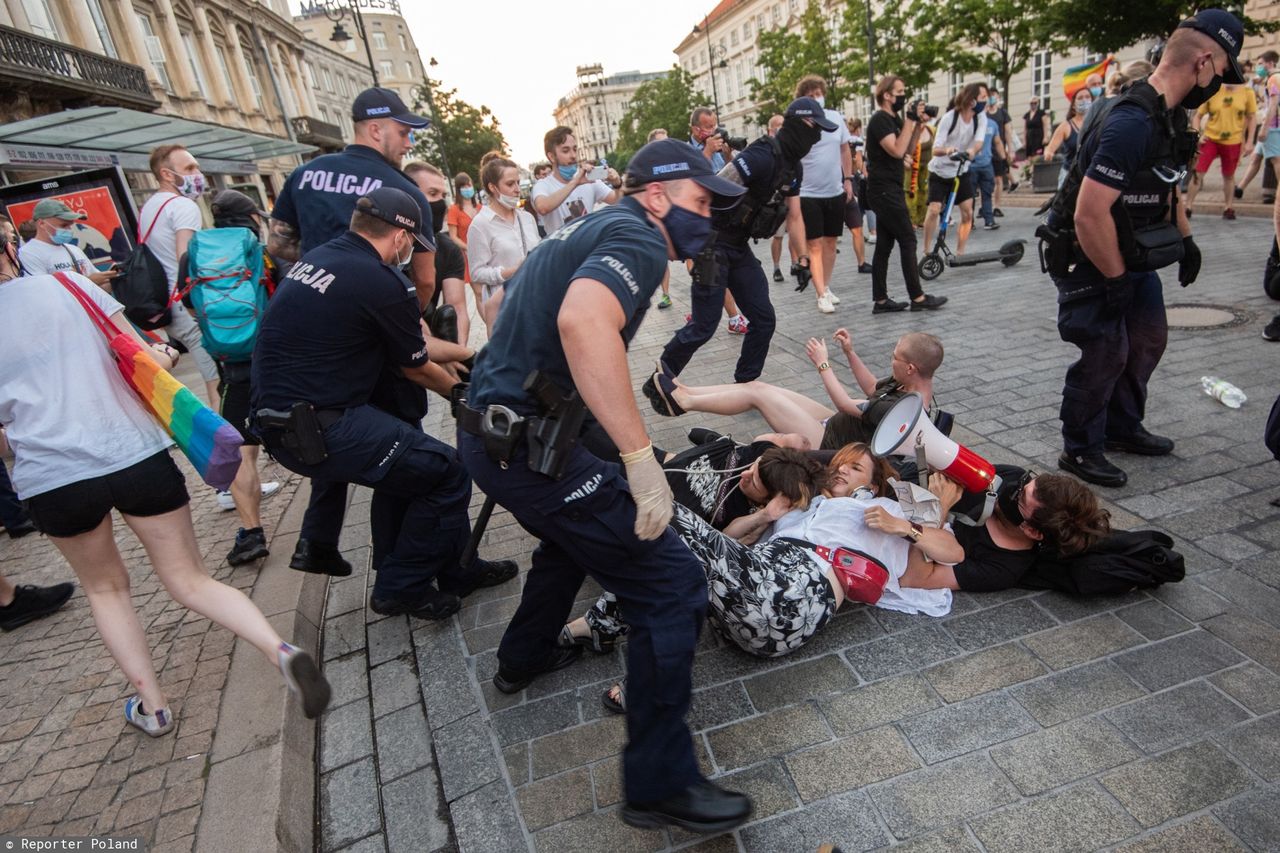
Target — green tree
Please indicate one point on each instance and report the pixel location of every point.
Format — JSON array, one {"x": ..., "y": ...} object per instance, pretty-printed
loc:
[
  {"x": 786, "y": 56},
  {"x": 909, "y": 40},
  {"x": 1003, "y": 35},
  {"x": 664, "y": 102},
  {"x": 460, "y": 134},
  {"x": 1106, "y": 26}
]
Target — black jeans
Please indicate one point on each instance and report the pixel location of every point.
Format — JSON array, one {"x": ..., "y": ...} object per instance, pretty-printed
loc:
[{"x": 893, "y": 225}]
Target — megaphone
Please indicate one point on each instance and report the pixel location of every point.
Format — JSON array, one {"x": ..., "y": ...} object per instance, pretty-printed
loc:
[{"x": 902, "y": 429}]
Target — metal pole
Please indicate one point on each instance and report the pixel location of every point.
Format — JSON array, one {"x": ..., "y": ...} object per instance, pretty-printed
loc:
[
  {"x": 477, "y": 532},
  {"x": 435, "y": 117},
  {"x": 364, "y": 34},
  {"x": 711, "y": 60}
]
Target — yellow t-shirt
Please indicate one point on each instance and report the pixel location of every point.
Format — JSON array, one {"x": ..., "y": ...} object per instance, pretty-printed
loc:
[{"x": 1228, "y": 111}]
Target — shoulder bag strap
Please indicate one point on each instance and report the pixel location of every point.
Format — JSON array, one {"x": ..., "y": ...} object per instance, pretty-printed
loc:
[
  {"x": 95, "y": 312},
  {"x": 143, "y": 239}
]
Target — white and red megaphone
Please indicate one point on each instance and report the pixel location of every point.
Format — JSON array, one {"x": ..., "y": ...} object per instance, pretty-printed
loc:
[{"x": 904, "y": 427}]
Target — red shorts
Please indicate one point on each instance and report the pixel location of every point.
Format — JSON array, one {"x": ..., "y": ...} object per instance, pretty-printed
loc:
[{"x": 1229, "y": 153}]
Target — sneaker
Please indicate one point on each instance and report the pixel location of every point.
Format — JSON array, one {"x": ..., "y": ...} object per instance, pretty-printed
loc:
[
  {"x": 825, "y": 305},
  {"x": 32, "y": 602},
  {"x": 997, "y": 212},
  {"x": 835, "y": 300},
  {"x": 305, "y": 679},
  {"x": 481, "y": 574},
  {"x": 871, "y": 238},
  {"x": 432, "y": 607},
  {"x": 226, "y": 503},
  {"x": 269, "y": 489},
  {"x": 738, "y": 325},
  {"x": 1272, "y": 331},
  {"x": 1229, "y": 213},
  {"x": 251, "y": 544},
  {"x": 1093, "y": 468},
  {"x": 665, "y": 301},
  {"x": 928, "y": 303},
  {"x": 777, "y": 274},
  {"x": 660, "y": 391},
  {"x": 1239, "y": 193},
  {"x": 991, "y": 226},
  {"x": 155, "y": 724},
  {"x": 865, "y": 269},
  {"x": 888, "y": 307},
  {"x": 1012, "y": 187}
]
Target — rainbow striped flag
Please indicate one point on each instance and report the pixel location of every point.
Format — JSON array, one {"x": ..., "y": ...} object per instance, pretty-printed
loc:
[{"x": 1073, "y": 78}]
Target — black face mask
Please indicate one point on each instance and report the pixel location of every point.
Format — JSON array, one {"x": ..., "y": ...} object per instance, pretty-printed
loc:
[
  {"x": 795, "y": 138},
  {"x": 1007, "y": 502},
  {"x": 900, "y": 103},
  {"x": 1199, "y": 94},
  {"x": 439, "y": 209}
]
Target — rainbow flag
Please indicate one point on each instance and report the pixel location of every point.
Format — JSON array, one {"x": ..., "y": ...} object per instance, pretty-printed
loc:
[{"x": 1073, "y": 78}]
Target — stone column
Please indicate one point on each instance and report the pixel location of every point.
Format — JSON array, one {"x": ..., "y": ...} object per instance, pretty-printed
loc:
[
  {"x": 204, "y": 37},
  {"x": 178, "y": 66}
]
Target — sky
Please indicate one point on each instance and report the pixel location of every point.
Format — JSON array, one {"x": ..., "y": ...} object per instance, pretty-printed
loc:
[{"x": 518, "y": 58}]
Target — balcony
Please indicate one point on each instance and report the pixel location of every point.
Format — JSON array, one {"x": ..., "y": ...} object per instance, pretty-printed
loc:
[
  {"x": 51, "y": 69},
  {"x": 313, "y": 131}
]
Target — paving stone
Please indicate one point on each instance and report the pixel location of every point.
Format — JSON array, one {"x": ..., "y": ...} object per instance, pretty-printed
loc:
[
  {"x": 767, "y": 785},
  {"x": 348, "y": 678},
  {"x": 556, "y": 798},
  {"x": 1069, "y": 608},
  {"x": 1257, "y": 745},
  {"x": 1177, "y": 659},
  {"x": 998, "y": 624},
  {"x": 345, "y": 735},
  {"x": 412, "y": 806},
  {"x": 1175, "y": 716},
  {"x": 1252, "y": 636},
  {"x": 465, "y": 757},
  {"x": 1050, "y": 758},
  {"x": 517, "y": 759},
  {"x": 846, "y": 820},
  {"x": 1075, "y": 692},
  {"x": 901, "y": 652},
  {"x": 1197, "y": 835},
  {"x": 1082, "y": 641},
  {"x": 534, "y": 719},
  {"x": 879, "y": 703},
  {"x": 349, "y": 805},
  {"x": 956, "y": 729},
  {"x": 388, "y": 638},
  {"x": 394, "y": 685},
  {"x": 1252, "y": 686},
  {"x": 594, "y": 832},
  {"x": 854, "y": 762},
  {"x": 957, "y": 790},
  {"x": 371, "y": 844},
  {"x": 792, "y": 684},
  {"x": 716, "y": 706},
  {"x": 1254, "y": 818},
  {"x": 485, "y": 820},
  {"x": 577, "y": 746},
  {"x": 1081, "y": 818},
  {"x": 404, "y": 743},
  {"x": 983, "y": 671},
  {"x": 951, "y": 840},
  {"x": 1176, "y": 783},
  {"x": 344, "y": 634},
  {"x": 776, "y": 733},
  {"x": 1192, "y": 600},
  {"x": 1154, "y": 620},
  {"x": 446, "y": 688}
]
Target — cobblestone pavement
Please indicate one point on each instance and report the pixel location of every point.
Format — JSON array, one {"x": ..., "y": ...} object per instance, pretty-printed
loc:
[
  {"x": 1021, "y": 721},
  {"x": 69, "y": 764}
]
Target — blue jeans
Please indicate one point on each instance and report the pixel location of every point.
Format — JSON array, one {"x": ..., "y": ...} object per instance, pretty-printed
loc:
[
  {"x": 984, "y": 177},
  {"x": 1105, "y": 395}
]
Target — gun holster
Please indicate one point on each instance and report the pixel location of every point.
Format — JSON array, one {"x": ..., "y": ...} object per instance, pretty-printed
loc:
[
  {"x": 551, "y": 436},
  {"x": 300, "y": 431},
  {"x": 706, "y": 268},
  {"x": 1057, "y": 250}
]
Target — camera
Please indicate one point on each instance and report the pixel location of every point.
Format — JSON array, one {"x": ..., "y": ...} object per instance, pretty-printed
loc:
[
  {"x": 930, "y": 110},
  {"x": 737, "y": 143}
]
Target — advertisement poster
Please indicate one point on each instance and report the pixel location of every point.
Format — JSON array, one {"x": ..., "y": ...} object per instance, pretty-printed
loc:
[{"x": 106, "y": 235}]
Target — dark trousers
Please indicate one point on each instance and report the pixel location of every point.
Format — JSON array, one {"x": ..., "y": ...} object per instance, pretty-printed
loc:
[
  {"x": 1105, "y": 394},
  {"x": 984, "y": 183},
  {"x": 421, "y": 494},
  {"x": 326, "y": 510},
  {"x": 585, "y": 523},
  {"x": 742, "y": 275},
  {"x": 11, "y": 512},
  {"x": 893, "y": 226}
]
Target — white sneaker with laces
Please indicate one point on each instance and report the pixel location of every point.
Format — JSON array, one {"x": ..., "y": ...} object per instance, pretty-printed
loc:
[
  {"x": 825, "y": 306},
  {"x": 831, "y": 294},
  {"x": 155, "y": 724},
  {"x": 269, "y": 489},
  {"x": 226, "y": 503}
]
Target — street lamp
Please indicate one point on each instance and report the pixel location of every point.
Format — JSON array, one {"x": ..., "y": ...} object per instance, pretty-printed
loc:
[
  {"x": 714, "y": 52},
  {"x": 336, "y": 10},
  {"x": 435, "y": 119}
]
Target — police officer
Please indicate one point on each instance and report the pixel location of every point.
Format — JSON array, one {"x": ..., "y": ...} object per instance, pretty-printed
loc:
[
  {"x": 340, "y": 317},
  {"x": 569, "y": 314},
  {"x": 1121, "y": 199},
  {"x": 767, "y": 166}
]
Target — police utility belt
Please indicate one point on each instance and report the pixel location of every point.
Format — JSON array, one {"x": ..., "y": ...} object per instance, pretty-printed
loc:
[
  {"x": 547, "y": 436},
  {"x": 301, "y": 429}
]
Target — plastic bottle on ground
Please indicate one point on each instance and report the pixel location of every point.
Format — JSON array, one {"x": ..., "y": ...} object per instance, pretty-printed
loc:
[{"x": 1223, "y": 391}]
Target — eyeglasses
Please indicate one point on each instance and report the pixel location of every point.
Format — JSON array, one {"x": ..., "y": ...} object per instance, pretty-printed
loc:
[{"x": 1027, "y": 477}]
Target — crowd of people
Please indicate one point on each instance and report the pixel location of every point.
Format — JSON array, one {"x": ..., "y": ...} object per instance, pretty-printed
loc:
[{"x": 369, "y": 284}]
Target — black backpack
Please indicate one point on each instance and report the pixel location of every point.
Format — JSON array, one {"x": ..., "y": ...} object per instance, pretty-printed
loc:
[
  {"x": 761, "y": 216},
  {"x": 1272, "y": 434},
  {"x": 1124, "y": 561},
  {"x": 143, "y": 286}
]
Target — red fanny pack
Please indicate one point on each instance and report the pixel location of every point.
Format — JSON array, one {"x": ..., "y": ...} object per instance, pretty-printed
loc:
[{"x": 862, "y": 576}]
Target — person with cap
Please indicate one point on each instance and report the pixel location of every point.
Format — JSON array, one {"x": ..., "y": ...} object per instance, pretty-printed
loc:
[
  {"x": 341, "y": 317},
  {"x": 54, "y": 249},
  {"x": 770, "y": 174},
  {"x": 1119, "y": 205},
  {"x": 569, "y": 313}
]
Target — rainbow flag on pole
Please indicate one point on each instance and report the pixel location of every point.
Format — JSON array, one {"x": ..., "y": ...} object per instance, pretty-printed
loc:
[{"x": 1073, "y": 78}]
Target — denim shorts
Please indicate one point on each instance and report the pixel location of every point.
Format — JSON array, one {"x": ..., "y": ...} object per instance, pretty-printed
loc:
[{"x": 153, "y": 486}]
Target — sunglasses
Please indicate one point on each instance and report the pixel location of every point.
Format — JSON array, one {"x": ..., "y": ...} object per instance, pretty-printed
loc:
[{"x": 1027, "y": 477}]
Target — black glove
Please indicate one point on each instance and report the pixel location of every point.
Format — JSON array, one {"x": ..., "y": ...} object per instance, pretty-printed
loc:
[
  {"x": 802, "y": 274},
  {"x": 1189, "y": 266},
  {"x": 1119, "y": 293}
]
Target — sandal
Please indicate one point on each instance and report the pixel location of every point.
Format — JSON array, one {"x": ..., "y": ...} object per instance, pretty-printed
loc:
[
  {"x": 618, "y": 705},
  {"x": 601, "y": 644}
]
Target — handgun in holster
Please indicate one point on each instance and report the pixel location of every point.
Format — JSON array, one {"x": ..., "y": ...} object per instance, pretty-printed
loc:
[
  {"x": 553, "y": 433},
  {"x": 1057, "y": 250},
  {"x": 300, "y": 431},
  {"x": 706, "y": 268}
]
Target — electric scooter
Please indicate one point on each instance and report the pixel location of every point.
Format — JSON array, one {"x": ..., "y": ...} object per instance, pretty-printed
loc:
[{"x": 941, "y": 257}]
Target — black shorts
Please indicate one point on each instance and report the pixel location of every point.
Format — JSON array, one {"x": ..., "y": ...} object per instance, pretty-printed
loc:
[
  {"x": 233, "y": 388},
  {"x": 940, "y": 188},
  {"x": 153, "y": 486},
  {"x": 853, "y": 214},
  {"x": 1000, "y": 167},
  {"x": 823, "y": 217}
]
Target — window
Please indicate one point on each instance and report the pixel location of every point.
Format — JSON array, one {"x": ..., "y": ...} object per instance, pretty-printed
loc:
[
  {"x": 379, "y": 41},
  {"x": 733, "y": 38},
  {"x": 342, "y": 86},
  {"x": 1042, "y": 75},
  {"x": 197, "y": 65},
  {"x": 746, "y": 32},
  {"x": 324, "y": 114},
  {"x": 1093, "y": 58},
  {"x": 311, "y": 74},
  {"x": 100, "y": 25},
  {"x": 155, "y": 53},
  {"x": 777, "y": 14},
  {"x": 40, "y": 18},
  {"x": 761, "y": 22},
  {"x": 793, "y": 7},
  {"x": 404, "y": 43},
  {"x": 251, "y": 73},
  {"x": 221, "y": 53},
  {"x": 954, "y": 84},
  {"x": 408, "y": 71},
  {"x": 328, "y": 79},
  {"x": 386, "y": 69}
]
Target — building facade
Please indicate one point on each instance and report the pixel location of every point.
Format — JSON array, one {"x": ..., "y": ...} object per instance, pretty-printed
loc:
[
  {"x": 334, "y": 79},
  {"x": 596, "y": 105},
  {"x": 395, "y": 55}
]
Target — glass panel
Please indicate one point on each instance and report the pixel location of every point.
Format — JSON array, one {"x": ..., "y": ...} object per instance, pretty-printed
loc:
[
  {"x": 100, "y": 25},
  {"x": 40, "y": 17},
  {"x": 155, "y": 53},
  {"x": 197, "y": 65}
]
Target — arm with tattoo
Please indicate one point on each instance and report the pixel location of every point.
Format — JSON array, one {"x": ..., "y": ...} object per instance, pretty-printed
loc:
[{"x": 282, "y": 241}]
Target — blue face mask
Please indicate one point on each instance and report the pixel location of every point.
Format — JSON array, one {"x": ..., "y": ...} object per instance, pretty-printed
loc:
[
  {"x": 979, "y": 106},
  {"x": 567, "y": 172},
  {"x": 63, "y": 236},
  {"x": 1096, "y": 91},
  {"x": 689, "y": 232},
  {"x": 468, "y": 192}
]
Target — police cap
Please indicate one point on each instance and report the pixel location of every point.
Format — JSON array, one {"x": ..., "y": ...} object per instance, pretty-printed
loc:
[
  {"x": 384, "y": 103},
  {"x": 1224, "y": 28},
  {"x": 810, "y": 109},
  {"x": 396, "y": 207},
  {"x": 674, "y": 160}
]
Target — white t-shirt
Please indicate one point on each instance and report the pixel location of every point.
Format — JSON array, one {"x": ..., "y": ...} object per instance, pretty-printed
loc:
[
  {"x": 41, "y": 258},
  {"x": 179, "y": 214},
  {"x": 580, "y": 202},
  {"x": 823, "y": 172},
  {"x": 66, "y": 409},
  {"x": 960, "y": 138}
]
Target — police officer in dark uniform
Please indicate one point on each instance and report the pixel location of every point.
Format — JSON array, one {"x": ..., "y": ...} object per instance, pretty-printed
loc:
[
  {"x": 341, "y": 315},
  {"x": 768, "y": 166},
  {"x": 1116, "y": 220},
  {"x": 568, "y": 316}
]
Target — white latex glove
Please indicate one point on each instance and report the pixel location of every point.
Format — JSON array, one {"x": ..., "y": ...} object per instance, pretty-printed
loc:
[{"x": 650, "y": 491}]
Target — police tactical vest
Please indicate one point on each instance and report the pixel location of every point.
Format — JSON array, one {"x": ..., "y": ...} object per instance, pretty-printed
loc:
[{"x": 763, "y": 208}]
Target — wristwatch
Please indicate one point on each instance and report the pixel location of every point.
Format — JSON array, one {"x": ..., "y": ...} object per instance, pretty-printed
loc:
[
  {"x": 826, "y": 365},
  {"x": 914, "y": 533}
]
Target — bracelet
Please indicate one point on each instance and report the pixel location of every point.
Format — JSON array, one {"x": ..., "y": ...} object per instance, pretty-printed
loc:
[
  {"x": 826, "y": 365},
  {"x": 915, "y": 533}
]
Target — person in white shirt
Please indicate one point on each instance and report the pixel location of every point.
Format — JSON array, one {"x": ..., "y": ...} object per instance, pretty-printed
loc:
[
  {"x": 501, "y": 235},
  {"x": 167, "y": 221},
  {"x": 961, "y": 129},
  {"x": 569, "y": 192},
  {"x": 54, "y": 249},
  {"x": 825, "y": 189}
]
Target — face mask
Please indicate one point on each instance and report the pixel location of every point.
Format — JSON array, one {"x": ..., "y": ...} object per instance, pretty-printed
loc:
[
  {"x": 821, "y": 99},
  {"x": 979, "y": 106},
  {"x": 1082, "y": 107},
  {"x": 511, "y": 201},
  {"x": 439, "y": 210},
  {"x": 467, "y": 192},
  {"x": 191, "y": 186},
  {"x": 689, "y": 232},
  {"x": 1096, "y": 91},
  {"x": 403, "y": 261},
  {"x": 63, "y": 236},
  {"x": 1260, "y": 70},
  {"x": 1007, "y": 501},
  {"x": 900, "y": 103},
  {"x": 1199, "y": 94},
  {"x": 567, "y": 172}
]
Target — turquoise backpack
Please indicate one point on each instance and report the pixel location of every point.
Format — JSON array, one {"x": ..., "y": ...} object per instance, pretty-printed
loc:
[{"x": 226, "y": 290}]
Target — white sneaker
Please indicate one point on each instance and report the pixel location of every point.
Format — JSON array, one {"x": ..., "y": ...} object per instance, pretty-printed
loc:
[
  {"x": 155, "y": 724},
  {"x": 831, "y": 294},
  {"x": 226, "y": 503},
  {"x": 825, "y": 306},
  {"x": 269, "y": 489},
  {"x": 304, "y": 678}
]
